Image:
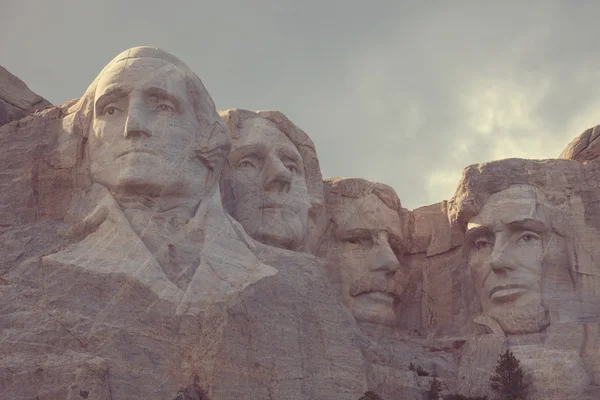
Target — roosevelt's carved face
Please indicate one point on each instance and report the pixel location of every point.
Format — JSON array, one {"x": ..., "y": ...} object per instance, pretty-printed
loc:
[
  {"x": 506, "y": 251},
  {"x": 364, "y": 259},
  {"x": 145, "y": 131},
  {"x": 268, "y": 182}
]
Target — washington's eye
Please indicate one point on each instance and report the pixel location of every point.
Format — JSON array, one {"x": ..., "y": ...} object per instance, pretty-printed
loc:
[
  {"x": 165, "y": 108},
  {"x": 110, "y": 110}
]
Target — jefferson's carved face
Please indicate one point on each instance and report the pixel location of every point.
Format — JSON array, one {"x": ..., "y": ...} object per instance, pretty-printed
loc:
[
  {"x": 268, "y": 182},
  {"x": 145, "y": 131},
  {"x": 506, "y": 243},
  {"x": 364, "y": 259}
]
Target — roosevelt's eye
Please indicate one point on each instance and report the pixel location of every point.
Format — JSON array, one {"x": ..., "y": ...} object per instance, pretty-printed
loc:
[
  {"x": 359, "y": 241},
  {"x": 481, "y": 244},
  {"x": 165, "y": 108},
  {"x": 245, "y": 164}
]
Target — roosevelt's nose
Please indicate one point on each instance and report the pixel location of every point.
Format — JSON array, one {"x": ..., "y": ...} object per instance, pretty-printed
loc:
[
  {"x": 384, "y": 258},
  {"x": 277, "y": 176},
  {"x": 137, "y": 122}
]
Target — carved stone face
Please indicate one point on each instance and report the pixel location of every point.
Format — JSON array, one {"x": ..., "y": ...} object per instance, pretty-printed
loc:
[
  {"x": 267, "y": 176},
  {"x": 506, "y": 251},
  {"x": 364, "y": 259},
  {"x": 145, "y": 131}
]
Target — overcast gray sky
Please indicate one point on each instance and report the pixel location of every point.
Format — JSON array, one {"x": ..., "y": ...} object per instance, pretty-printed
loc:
[{"x": 401, "y": 92}]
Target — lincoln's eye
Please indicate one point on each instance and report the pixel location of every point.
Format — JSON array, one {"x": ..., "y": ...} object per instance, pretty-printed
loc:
[
  {"x": 165, "y": 107},
  {"x": 110, "y": 110},
  {"x": 245, "y": 164}
]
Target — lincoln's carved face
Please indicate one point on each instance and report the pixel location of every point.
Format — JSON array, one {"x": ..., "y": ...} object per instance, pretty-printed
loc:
[
  {"x": 267, "y": 175},
  {"x": 506, "y": 251},
  {"x": 145, "y": 131},
  {"x": 364, "y": 259}
]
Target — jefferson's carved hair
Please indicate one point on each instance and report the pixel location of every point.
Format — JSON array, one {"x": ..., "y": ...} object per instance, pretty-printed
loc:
[{"x": 213, "y": 139}]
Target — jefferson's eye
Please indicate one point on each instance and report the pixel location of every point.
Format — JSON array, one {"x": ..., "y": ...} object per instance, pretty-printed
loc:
[
  {"x": 362, "y": 241},
  {"x": 292, "y": 168},
  {"x": 165, "y": 108}
]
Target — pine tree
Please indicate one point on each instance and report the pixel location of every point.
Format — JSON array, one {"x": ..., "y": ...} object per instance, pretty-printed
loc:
[
  {"x": 508, "y": 378},
  {"x": 435, "y": 389}
]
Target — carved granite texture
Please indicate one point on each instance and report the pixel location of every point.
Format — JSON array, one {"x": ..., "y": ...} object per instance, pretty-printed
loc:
[
  {"x": 531, "y": 265},
  {"x": 585, "y": 147},
  {"x": 16, "y": 99},
  {"x": 122, "y": 274},
  {"x": 154, "y": 248},
  {"x": 272, "y": 181}
]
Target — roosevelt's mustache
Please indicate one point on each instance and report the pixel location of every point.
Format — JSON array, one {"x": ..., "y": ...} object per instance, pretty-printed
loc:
[{"x": 376, "y": 284}]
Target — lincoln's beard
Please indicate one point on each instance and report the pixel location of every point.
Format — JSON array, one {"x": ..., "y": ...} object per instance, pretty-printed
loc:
[{"x": 527, "y": 318}]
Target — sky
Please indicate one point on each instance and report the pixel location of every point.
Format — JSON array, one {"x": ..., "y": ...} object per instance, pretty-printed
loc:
[{"x": 407, "y": 93}]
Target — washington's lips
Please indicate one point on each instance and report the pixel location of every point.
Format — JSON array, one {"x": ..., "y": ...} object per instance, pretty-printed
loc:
[{"x": 508, "y": 290}]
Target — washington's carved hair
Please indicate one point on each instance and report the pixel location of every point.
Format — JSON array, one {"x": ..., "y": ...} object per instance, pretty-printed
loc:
[{"x": 213, "y": 139}]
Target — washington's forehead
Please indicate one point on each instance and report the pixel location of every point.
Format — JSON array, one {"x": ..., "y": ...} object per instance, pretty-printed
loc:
[
  {"x": 517, "y": 203},
  {"x": 139, "y": 73}
]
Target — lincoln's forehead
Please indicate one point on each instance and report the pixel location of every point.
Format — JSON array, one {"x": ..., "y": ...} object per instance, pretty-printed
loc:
[{"x": 517, "y": 203}]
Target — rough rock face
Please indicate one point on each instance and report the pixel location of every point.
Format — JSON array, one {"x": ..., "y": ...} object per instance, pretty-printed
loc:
[
  {"x": 153, "y": 248},
  {"x": 585, "y": 147},
  {"x": 117, "y": 283},
  {"x": 16, "y": 100}
]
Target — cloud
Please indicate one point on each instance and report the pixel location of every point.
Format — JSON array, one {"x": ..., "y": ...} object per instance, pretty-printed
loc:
[{"x": 405, "y": 93}]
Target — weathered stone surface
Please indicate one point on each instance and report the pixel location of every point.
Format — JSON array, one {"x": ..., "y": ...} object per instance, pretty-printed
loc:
[
  {"x": 122, "y": 275},
  {"x": 585, "y": 147},
  {"x": 16, "y": 100},
  {"x": 154, "y": 248}
]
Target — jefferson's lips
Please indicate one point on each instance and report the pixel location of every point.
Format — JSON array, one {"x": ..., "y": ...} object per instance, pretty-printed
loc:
[
  {"x": 123, "y": 153},
  {"x": 508, "y": 287}
]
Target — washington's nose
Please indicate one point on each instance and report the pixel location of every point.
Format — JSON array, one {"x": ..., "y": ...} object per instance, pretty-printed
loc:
[
  {"x": 277, "y": 176},
  {"x": 136, "y": 124},
  {"x": 385, "y": 259}
]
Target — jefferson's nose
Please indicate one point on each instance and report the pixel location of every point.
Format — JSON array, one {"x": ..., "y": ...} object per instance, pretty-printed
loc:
[
  {"x": 136, "y": 124},
  {"x": 277, "y": 176}
]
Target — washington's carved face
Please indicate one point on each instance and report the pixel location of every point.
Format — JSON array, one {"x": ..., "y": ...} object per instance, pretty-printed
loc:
[
  {"x": 364, "y": 260},
  {"x": 506, "y": 243},
  {"x": 268, "y": 183},
  {"x": 145, "y": 131}
]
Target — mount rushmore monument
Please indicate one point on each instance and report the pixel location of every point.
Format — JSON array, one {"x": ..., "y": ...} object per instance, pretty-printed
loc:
[{"x": 154, "y": 247}]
